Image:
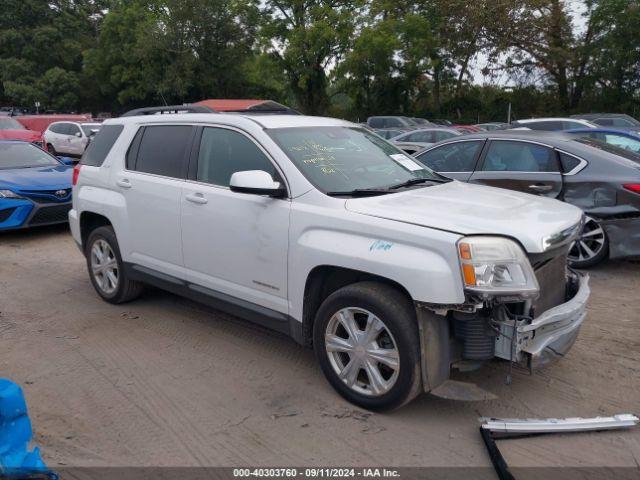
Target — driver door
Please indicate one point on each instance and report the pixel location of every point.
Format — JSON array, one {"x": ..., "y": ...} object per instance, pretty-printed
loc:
[{"x": 234, "y": 244}]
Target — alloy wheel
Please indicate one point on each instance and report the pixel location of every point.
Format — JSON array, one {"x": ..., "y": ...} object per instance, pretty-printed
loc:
[
  {"x": 590, "y": 243},
  {"x": 104, "y": 266},
  {"x": 362, "y": 351}
]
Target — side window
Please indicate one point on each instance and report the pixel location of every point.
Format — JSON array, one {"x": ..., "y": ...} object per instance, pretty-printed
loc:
[
  {"x": 424, "y": 137},
  {"x": 224, "y": 152},
  {"x": 453, "y": 157},
  {"x": 597, "y": 136},
  {"x": 57, "y": 128},
  {"x": 72, "y": 129},
  {"x": 393, "y": 122},
  {"x": 507, "y": 156},
  {"x": 566, "y": 125},
  {"x": 546, "y": 126},
  {"x": 376, "y": 123},
  {"x": 163, "y": 150},
  {"x": 568, "y": 162},
  {"x": 440, "y": 135},
  {"x": 101, "y": 144},
  {"x": 621, "y": 122}
]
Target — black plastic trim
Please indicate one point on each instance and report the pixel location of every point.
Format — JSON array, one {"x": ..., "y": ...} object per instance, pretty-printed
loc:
[{"x": 263, "y": 316}]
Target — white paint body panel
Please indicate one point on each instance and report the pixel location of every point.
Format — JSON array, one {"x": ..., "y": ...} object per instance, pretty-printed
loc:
[{"x": 262, "y": 250}]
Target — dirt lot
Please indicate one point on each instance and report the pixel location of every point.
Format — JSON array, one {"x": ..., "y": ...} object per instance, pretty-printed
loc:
[{"x": 164, "y": 381}]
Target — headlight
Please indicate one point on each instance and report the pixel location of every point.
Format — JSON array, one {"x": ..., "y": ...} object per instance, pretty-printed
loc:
[
  {"x": 496, "y": 266},
  {"x": 9, "y": 194}
]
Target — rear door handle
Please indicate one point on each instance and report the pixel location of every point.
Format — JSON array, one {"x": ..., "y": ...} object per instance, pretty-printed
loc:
[
  {"x": 196, "y": 198},
  {"x": 540, "y": 187},
  {"x": 124, "y": 183}
]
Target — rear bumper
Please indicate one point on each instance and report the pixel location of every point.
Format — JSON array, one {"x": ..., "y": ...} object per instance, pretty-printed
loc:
[{"x": 552, "y": 334}]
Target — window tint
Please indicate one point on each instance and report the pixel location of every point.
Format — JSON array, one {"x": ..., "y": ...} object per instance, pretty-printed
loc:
[
  {"x": 570, "y": 125},
  {"x": 453, "y": 157},
  {"x": 58, "y": 128},
  {"x": 568, "y": 162},
  {"x": 623, "y": 142},
  {"x": 425, "y": 137},
  {"x": 440, "y": 135},
  {"x": 506, "y": 156},
  {"x": 393, "y": 122},
  {"x": 547, "y": 126},
  {"x": 101, "y": 144},
  {"x": 376, "y": 123},
  {"x": 224, "y": 152},
  {"x": 163, "y": 150},
  {"x": 72, "y": 129}
]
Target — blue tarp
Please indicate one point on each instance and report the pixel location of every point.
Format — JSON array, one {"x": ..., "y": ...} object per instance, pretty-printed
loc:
[{"x": 16, "y": 459}]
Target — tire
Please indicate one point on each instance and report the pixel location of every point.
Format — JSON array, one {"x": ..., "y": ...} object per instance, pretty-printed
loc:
[
  {"x": 360, "y": 304},
  {"x": 51, "y": 150},
  {"x": 591, "y": 248},
  {"x": 120, "y": 290}
]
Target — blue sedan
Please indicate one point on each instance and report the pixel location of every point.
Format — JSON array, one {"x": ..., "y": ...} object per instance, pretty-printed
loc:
[
  {"x": 35, "y": 187},
  {"x": 627, "y": 139}
]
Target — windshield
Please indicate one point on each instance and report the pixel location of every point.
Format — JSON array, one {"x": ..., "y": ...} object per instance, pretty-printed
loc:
[
  {"x": 89, "y": 128},
  {"x": 24, "y": 155},
  {"x": 10, "y": 124},
  {"x": 343, "y": 159}
]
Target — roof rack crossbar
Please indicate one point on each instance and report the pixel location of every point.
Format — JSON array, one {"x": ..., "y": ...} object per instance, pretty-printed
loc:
[{"x": 169, "y": 109}]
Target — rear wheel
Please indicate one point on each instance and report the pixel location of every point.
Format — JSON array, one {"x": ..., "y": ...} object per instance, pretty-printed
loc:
[
  {"x": 367, "y": 343},
  {"x": 51, "y": 150},
  {"x": 591, "y": 247},
  {"x": 106, "y": 268}
]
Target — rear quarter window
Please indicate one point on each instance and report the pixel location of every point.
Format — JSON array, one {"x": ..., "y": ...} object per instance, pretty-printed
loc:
[{"x": 101, "y": 145}]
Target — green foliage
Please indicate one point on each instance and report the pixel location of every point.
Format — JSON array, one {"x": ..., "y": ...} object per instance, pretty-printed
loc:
[{"x": 350, "y": 58}]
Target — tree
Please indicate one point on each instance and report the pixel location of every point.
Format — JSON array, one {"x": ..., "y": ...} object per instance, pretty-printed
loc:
[{"x": 308, "y": 38}]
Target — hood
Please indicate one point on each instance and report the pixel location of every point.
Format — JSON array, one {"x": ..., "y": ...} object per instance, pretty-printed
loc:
[
  {"x": 24, "y": 135},
  {"x": 39, "y": 178},
  {"x": 474, "y": 209}
]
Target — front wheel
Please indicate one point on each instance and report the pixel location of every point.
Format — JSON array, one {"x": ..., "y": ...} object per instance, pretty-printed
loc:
[
  {"x": 591, "y": 247},
  {"x": 366, "y": 340}
]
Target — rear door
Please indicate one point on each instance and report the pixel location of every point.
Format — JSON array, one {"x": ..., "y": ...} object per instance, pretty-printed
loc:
[
  {"x": 520, "y": 165},
  {"x": 57, "y": 137},
  {"x": 455, "y": 159},
  {"x": 151, "y": 184}
]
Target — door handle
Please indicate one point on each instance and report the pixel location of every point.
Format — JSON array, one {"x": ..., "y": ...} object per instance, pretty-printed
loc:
[
  {"x": 124, "y": 183},
  {"x": 196, "y": 198},
  {"x": 540, "y": 187}
]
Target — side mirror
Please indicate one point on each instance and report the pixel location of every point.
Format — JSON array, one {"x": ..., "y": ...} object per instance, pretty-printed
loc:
[
  {"x": 67, "y": 160},
  {"x": 78, "y": 134},
  {"x": 257, "y": 182}
]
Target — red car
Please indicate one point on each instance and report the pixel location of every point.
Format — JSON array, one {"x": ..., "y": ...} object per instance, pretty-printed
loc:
[
  {"x": 467, "y": 128},
  {"x": 11, "y": 129}
]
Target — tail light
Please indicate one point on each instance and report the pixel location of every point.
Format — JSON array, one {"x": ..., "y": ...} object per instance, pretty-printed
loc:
[
  {"x": 76, "y": 173},
  {"x": 632, "y": 187}
]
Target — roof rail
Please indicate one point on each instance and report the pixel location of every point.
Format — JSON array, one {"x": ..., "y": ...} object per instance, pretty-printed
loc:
[{"x": 169, "y": 109}]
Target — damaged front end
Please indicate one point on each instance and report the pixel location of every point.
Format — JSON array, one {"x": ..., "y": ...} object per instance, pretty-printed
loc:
[{"x": 530, "y": 327}]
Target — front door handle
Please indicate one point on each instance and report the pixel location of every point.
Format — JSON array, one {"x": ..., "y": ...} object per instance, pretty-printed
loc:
[
  {"x": 540, "y": 187},
  {"x": 124, "y": 183},
  {"x": 196, "y": 198}
]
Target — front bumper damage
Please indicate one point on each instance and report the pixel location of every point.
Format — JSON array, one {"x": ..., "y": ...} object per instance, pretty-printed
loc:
[
  {"x": 550, "y": 335},
  {"x": 450, "y": 337}
]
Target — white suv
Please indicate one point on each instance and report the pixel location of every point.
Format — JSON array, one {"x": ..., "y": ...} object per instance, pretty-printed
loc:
[
  {"x": 69, "y": 138},
  {"x": 321, "y": 230}
]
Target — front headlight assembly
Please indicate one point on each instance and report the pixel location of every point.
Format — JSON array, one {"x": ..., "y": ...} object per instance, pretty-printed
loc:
[
  {"x": 9, "y": 194},
  {"x": 496, "y": 266}
]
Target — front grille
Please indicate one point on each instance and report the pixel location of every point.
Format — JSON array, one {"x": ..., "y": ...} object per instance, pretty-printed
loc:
[
  {"x": 6, "y": 213},
  {"x": 55, "y": 214},
  {"x": 551, "y": 275},
  {"x": 47, "y": 196}
]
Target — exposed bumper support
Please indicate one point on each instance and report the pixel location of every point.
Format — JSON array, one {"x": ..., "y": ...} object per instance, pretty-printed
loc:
[{"x": 550, "y": 335}]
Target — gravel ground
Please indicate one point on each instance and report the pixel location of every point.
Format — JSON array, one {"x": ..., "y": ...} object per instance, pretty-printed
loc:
[{"x": 164, "y": 381}]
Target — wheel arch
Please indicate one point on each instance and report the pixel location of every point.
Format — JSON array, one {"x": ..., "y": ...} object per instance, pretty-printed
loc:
[
  {"x": 323, "y": 280},
  {"x": 89, "y": 221}
]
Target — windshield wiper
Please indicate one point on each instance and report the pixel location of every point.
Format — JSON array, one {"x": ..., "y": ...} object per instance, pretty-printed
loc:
[
  {"x": 416, "y": 181},
  {"x": 360, "y": 192}
]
